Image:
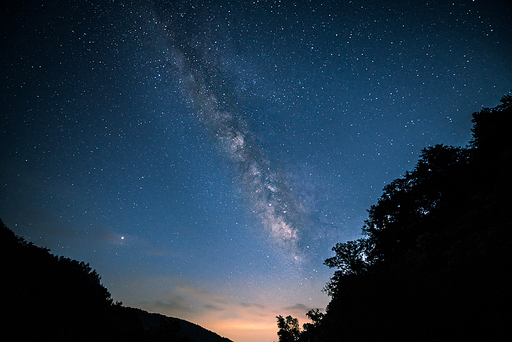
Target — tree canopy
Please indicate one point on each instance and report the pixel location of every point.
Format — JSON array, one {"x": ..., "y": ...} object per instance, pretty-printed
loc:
[
  {"x": 432, "y": 265},
  {"x": 49, "y": 298}
]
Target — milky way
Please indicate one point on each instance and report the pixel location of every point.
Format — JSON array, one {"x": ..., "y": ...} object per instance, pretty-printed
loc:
[
  {"x": 111, "y": 111},
  {"x": 271, "y": 196}
]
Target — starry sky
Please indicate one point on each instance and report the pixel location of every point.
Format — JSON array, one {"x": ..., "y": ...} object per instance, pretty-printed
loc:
[{"x": 205, "y": 156}]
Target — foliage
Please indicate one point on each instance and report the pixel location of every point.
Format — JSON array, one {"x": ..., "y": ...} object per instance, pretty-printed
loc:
[
  {"x": 288, "y": 328},
  {"x": 45, "y": 297},
  {"x": 290, "y": 331},
  {"x": 432, "y": 265},
  {"x": 58, "y": 295},
  {"x": 351, "y": 259},
  {"x": 310, "y": 332}
]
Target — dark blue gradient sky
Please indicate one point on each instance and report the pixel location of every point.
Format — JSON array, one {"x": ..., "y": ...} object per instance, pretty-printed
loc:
[{"x": 204, "y": 157}]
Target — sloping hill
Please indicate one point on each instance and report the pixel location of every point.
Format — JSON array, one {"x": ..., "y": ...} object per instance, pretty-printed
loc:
[
  {"x": 45, "y": 297},
  {"x": 194, "y": 332}
]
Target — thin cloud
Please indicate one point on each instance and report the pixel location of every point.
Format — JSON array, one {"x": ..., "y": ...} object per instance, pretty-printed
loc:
[
  {"x": 213, "y": 307},
  {"x": 297, "y": 307},
  {"x": 174, "y": 306},
  {"x": 252, "y": 305}
]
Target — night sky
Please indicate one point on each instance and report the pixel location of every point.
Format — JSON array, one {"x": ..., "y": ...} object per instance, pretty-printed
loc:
[{"x": 204, "y": 157}]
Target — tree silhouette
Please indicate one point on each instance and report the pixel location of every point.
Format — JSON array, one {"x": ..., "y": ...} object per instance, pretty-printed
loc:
[
  {"x": 289, "y": 330},
  {"x": 45, "y": 297},
  {"x": 434, "y": 260},
  {"x": 310, "y": 332}
]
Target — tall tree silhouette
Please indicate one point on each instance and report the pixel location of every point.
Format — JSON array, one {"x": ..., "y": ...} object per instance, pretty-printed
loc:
[
  {"x": 433, "y": 265},
  {"x": 289, "y": 330}
]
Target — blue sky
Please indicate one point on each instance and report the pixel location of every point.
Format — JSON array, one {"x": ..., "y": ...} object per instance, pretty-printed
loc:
[{"x": 205, "y": 157}]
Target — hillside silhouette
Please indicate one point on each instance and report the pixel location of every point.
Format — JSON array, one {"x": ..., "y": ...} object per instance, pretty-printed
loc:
[
  {"x": 51, "y": 298},
  {"x": 434, "y": 260}
]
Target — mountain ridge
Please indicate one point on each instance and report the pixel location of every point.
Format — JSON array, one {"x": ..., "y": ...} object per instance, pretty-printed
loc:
[
  {"x": 54, "y": 297},
  {"x": 187, "y": 329}
]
